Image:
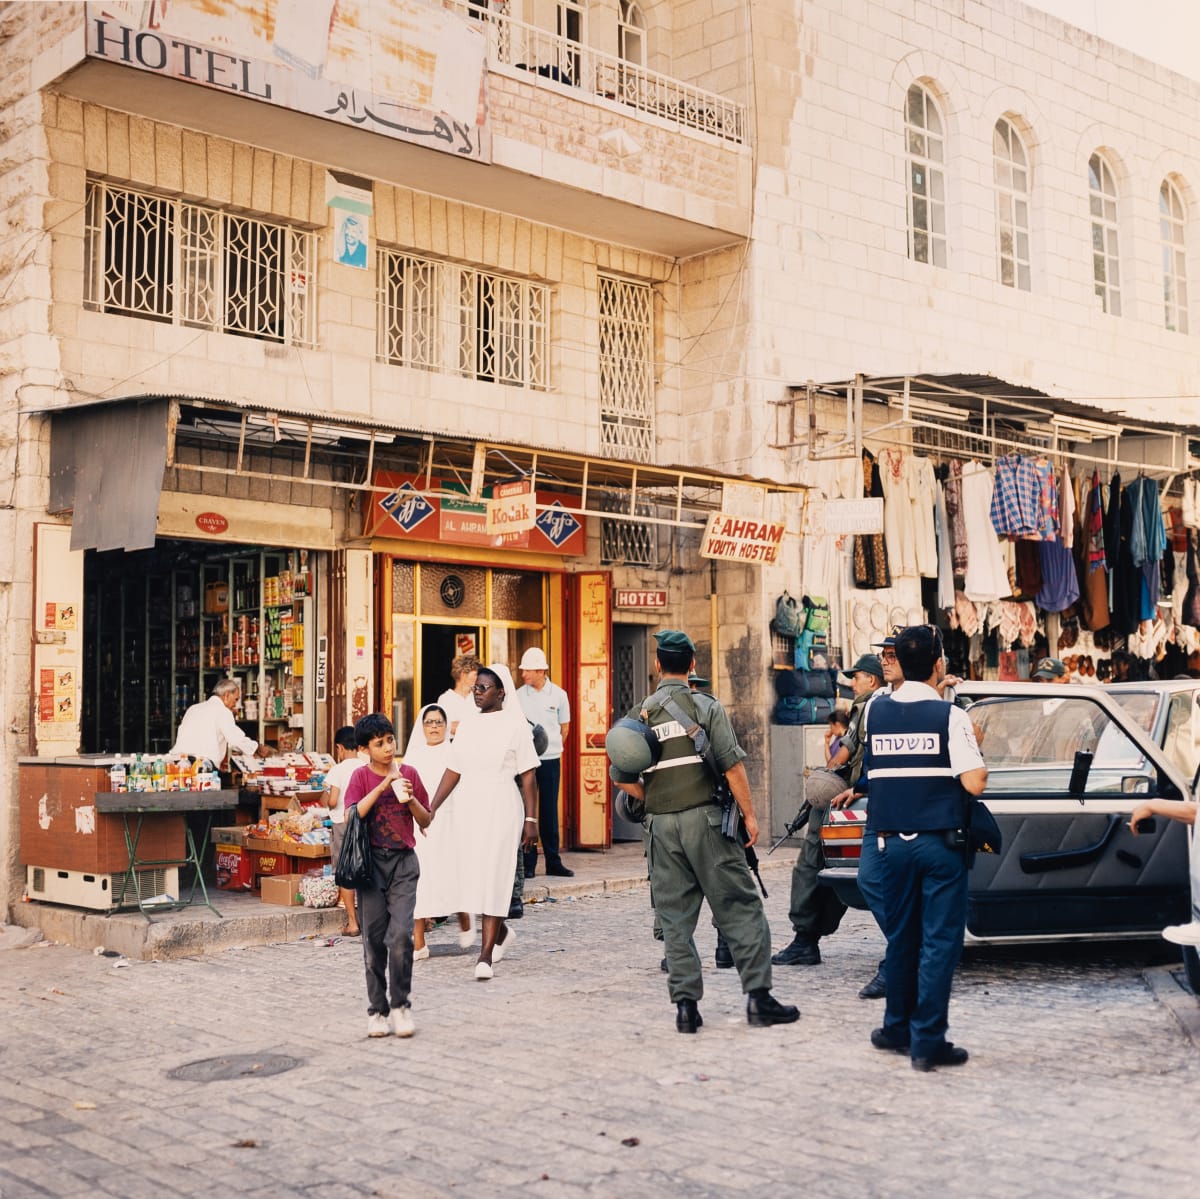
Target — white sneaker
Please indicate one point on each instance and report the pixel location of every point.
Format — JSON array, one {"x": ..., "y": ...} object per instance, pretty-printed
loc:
[
  {"x": 1180, "y": 934},
  {"x": 502, "y": 947},
  {"x": 466, "y": 936},
  {"x": 419, "y": 955},
  {"x": 402, "y": 1021},
  {"x": 483, "y": 971},
  {"x": 378, "y": 1026}
]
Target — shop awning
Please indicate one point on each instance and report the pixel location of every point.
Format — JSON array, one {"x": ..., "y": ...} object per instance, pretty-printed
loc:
[
  {"x": 981, "y": 416},
  {"x": 260, "y": 442}
]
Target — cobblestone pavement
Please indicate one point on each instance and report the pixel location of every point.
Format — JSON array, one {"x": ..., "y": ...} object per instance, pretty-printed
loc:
[{"x": 564, "y": 1076}]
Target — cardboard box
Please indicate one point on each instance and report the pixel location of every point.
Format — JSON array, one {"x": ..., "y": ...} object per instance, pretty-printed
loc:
[
  {"x": 283, "y": 889},
  {"x": 216, "y": 598}
]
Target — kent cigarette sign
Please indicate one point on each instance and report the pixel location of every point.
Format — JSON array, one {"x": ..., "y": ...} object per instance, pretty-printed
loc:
[{"x": 735, "y": 539}]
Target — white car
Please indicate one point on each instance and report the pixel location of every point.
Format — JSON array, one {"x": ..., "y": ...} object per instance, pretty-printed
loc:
[{"x": 1066, "y": 766}]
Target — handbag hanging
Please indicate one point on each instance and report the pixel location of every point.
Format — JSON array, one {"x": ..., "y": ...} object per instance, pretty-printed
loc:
[
  {"x": 355, "y": 865},
  {"x": 790, "y": 618}
]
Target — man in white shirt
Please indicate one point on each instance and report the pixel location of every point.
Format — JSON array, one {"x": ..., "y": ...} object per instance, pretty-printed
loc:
[
  {"x": 545, "y": 704},
  {"x": 349, "y": 759},
  {"x": 208, "y": 729}
]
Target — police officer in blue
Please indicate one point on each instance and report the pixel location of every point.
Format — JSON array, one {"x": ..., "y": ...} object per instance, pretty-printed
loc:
[
  {"x": 690, "y": 858},
  {"x": 921, "y": 756}
]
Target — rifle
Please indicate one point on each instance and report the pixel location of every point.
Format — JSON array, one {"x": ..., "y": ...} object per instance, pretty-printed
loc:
[{"x": 793, "y": 826}]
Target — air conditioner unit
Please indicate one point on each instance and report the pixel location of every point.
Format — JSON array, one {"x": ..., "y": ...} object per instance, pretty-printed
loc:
[{"x": 100, "y": 892}]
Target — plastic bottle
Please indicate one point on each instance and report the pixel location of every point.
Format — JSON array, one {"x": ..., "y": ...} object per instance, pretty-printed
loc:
[
  {"x": 116, "y": 775},
  {"x": 158, "y": 775},
  {"x": 136, "y": 778},
  {"x": 196, "y": 782}
]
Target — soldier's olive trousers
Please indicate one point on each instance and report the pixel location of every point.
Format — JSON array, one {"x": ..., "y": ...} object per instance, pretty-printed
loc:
[{"x": 691, "y": 861}]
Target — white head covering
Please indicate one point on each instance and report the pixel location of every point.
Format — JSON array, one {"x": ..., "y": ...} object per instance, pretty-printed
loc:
[
  {"x": 512, "y": 705},
  {"x": 429, "y": 761}
]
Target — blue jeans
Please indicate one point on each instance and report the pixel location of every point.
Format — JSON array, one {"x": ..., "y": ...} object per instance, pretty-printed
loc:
[
  {"x": 549, "y": 772},
  {"x": 924, "y": 884}
]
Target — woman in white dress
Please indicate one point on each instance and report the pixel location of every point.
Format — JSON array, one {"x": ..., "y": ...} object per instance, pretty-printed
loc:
[
  {"x": 428, "y": 754},
  {"x": 489, "y": 788},
  {"x": 458, "y": 701}
]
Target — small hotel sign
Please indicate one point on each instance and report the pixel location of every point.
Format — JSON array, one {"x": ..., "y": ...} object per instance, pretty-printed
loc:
[{"x": 624, "y": 598}]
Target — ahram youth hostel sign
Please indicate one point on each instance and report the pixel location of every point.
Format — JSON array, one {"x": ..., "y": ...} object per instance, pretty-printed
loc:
[{"x": 738, "y": 539}]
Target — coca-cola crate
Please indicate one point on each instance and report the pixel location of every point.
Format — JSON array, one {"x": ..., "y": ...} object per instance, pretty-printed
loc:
[{"x": 234, "y": 867}]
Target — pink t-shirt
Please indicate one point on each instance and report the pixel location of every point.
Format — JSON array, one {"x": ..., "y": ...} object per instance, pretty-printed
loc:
[{"x": 390, "y": 823}]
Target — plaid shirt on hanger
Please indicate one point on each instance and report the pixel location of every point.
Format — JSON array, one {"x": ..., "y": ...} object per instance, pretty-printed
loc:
[{"x": 1016, "y": 497}]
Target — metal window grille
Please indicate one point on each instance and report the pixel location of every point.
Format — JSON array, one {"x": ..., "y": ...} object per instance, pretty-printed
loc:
[
  {"x": 628, "y": 541},
  {"x": 1010, "y": 165},
  {"x": 165, "y": 259},
  {"x": 926, "y": 147},
  {"x": 409, "y": 287},
  {"x": 1172, "y": 224},
  {"x": 626, "y": 369},
  {"x": 503, "y": 330},
  {"x": 1106, "y": 257}
]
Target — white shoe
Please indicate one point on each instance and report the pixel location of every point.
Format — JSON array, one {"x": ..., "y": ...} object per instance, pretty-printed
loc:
[
  {"x": 1180, "y": 934},
  {"x": 419, "y": 955},
  {"x": 402, "y": 1021},
  {"x": 378, "y": 1026},
  {"x": 502, "y": 947},
  {"x": 483, "y": 971},
  {"x": 466, "y": 936}
]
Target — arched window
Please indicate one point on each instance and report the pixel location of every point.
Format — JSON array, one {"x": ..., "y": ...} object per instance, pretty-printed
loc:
[
  {"x": 1106, "y": 257},
  {"x": 1010, "y": 164},
  {"x": 925, "y": 137},
  {"x": 1172, "y": 223},
  {"x": 631, "y": 34}
]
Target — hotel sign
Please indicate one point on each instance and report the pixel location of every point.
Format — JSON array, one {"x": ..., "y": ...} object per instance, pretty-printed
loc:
[
  {"x": 427, "y": 85},
  {"x": 623, "y": 597},
  {"x": 737, "y": 539}
]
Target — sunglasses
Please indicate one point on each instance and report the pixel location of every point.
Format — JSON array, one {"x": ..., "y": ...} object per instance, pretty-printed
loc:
[{"x": 480, "y": 688}]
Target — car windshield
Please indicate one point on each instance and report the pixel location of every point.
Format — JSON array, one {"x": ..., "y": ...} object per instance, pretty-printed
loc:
[{"x": 1030, "y": 744}]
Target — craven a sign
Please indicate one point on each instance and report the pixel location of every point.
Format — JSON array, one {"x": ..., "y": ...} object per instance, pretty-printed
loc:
[{"x": 740, "y": 539}]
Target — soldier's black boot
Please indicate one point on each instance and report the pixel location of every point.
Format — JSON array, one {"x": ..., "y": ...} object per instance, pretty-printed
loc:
[
  {"x": 801, "y": 952},
  {"x": 724, "y": 955},
  {"x": 763, "y": 1009},
  {"x": 687, "y": 1016}
]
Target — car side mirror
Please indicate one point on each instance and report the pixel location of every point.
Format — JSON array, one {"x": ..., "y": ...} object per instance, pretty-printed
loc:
[{"x": 1079, "y": 773}]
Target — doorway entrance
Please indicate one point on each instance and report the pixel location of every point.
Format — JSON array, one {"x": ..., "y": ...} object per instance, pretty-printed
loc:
[{"x": 630, "y": 686}]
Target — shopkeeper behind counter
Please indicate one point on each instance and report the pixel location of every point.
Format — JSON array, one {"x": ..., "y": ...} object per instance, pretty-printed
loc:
[{"x": 208, "y": 729}]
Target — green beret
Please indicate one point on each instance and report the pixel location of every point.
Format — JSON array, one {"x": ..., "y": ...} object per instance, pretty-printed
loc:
[{"x": 673, "y": 640}]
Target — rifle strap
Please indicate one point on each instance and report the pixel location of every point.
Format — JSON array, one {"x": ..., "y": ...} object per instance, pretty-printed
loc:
[{"x": 698, "y": 735}]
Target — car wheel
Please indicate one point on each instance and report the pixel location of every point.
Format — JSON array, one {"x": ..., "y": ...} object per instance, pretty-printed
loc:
[{"x": 1191, "y": 965}]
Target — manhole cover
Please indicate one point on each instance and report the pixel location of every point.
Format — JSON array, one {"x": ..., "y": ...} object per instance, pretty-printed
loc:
[{"x": 238, "y": 1065}]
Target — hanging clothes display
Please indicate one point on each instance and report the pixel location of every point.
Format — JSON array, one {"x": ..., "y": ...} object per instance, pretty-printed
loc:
[
  {"x": 899, "y": 529},
  {"x": 1093, "y": 570},
  {"x": 1060, "y": 583},
  {"x": 870, "y": 552},
  {"x": 922, "y": 492},
  {"x": 945, "y": 552},
  {"x": 1147, "y": 541},
  {"x": 958, "y": 530},
  {"x": 986, "y": 576}
]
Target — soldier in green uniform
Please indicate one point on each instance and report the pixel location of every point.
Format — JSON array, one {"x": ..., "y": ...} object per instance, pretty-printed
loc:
[{"x": 690, "y": 859}]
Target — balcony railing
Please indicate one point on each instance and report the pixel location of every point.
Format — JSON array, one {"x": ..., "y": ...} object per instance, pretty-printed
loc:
[{"x": 546, "y": 55}]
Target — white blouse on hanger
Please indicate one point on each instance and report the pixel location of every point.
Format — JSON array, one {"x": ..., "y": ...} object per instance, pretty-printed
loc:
[{"x": 987, "y": 574}]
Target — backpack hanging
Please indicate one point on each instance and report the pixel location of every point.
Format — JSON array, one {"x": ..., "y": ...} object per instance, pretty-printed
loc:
[{"x": 789, "y": 617}]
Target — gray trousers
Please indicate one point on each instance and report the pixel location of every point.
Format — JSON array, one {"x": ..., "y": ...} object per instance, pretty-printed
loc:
[
  {"x": 814, "y": 911},
  {"x": 385, "y": 915},
  {"x": 691, "y": 861}
]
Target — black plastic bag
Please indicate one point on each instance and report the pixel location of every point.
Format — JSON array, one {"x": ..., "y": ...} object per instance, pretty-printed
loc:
[{"x": 355, "y": 866}]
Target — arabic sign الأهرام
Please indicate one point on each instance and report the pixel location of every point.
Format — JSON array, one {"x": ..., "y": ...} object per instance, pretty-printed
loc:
[{"x": 312, "y": 56}]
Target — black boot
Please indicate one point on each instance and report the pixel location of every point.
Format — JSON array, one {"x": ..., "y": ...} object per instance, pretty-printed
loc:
[
  {"x": 763, "y": 1009},
  {"x": 876, "y": 988},
  {"x": 687, "y": 1016},
  {"x": 801, "y": 952},
  {"x": 724, "y": 956}
]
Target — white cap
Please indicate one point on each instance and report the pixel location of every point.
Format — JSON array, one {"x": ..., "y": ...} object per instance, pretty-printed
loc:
[{"x": 533, "y": 659}]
